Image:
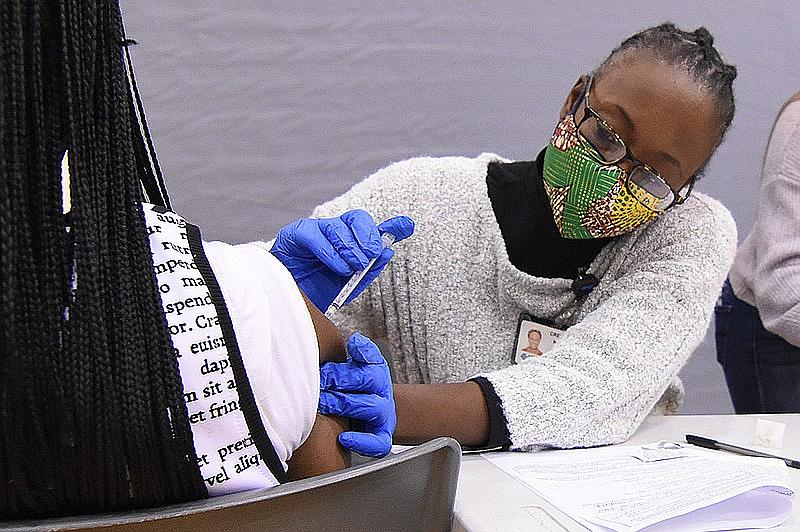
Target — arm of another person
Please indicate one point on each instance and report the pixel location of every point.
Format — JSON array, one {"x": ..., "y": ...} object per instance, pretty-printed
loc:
[
  {"x": 321, "y": 452},
  {"x": 296, "y": 340},
  {"x": 776, "y": 232},
  {"x": 608, "y": 370},
  {"x": 363, "y": 389},
  {"x": 313, "y": 441}
]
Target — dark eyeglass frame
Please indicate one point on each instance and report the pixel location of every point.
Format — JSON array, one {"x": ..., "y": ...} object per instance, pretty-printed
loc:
[{"x": 677, "y": 198}]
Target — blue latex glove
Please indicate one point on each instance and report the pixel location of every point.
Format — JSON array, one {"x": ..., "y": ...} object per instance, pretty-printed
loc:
[
  {"x": 360, "y": 389},
  {"x": 323, "y": 253}
]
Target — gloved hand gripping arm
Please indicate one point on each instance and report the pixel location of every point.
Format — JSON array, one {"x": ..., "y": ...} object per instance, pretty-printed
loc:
[{"x": 361, "y": 389}]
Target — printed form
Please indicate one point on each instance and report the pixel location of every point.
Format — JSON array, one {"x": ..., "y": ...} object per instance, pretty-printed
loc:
[{"x": 663, "y": 486}]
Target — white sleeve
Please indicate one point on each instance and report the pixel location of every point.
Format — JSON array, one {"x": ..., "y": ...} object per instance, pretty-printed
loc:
[{"x": 276, "y": 338}]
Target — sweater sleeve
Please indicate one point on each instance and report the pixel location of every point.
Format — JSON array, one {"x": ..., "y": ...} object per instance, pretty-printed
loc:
[
  {"x": 608, "y": 370},
  {"x": 498, "y": 427},
  {"x": 776, "y": 235}
]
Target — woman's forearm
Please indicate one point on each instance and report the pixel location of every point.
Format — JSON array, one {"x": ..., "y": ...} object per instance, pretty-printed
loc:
[{"x": 426, "y": 411}]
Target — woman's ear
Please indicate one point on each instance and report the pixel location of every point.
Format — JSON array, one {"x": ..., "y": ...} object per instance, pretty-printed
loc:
[{"x": 574, "y": 97}]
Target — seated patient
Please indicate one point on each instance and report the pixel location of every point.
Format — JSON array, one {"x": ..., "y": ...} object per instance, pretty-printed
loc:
[{"x": 140, "y": 366}]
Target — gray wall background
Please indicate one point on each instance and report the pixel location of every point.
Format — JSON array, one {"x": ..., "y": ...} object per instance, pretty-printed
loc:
[{"x": 262, "y": 109}]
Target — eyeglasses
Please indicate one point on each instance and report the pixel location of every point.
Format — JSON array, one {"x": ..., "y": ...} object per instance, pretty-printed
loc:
[{"x": 643, "y": 182}]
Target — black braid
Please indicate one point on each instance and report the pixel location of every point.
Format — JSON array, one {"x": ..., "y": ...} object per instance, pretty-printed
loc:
[
  {"x": 92, "y": 416},
  {"x": 693, "y": 51}
]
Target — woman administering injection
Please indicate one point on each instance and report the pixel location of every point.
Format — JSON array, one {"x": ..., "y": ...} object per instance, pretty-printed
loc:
[{"x": 626, "y": 259}]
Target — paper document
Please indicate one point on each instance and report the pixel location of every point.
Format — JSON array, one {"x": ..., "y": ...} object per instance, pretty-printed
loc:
[{"x": 633, "y": 487}]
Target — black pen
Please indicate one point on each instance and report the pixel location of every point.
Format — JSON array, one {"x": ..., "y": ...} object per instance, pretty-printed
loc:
[{"x": 708, "y": 443}]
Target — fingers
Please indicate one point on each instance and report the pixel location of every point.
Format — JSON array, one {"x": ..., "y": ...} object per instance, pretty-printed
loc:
[
  {"x": 400, "y": 226},
  {"x": 366, "y": 375},
  {"x": 344, "y": 377},
  {"x": 308, "y": 237},
  {"x": 366, "y": 371},
  {"x": 344, "y": 242},
  {"x": 357, "y": 239},
  {"x": 362, "y": 349},
  {"x": 344, "y": 245},
  {"x": 371, "y": 409},
  {"x": 375, "y": 445},
  {"x": 364, "y": 230},
  {"x": 384, "y": 258}
]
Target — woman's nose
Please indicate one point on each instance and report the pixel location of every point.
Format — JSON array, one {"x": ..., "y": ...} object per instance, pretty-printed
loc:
[{"x": 626, "y": 165}]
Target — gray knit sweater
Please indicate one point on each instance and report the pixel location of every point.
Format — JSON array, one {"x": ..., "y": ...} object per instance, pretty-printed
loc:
[
  {"x": 447, "y": 306},
  {"x": 766, "y": 271}
]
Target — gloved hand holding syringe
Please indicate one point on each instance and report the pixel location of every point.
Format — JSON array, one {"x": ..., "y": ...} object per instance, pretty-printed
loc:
[
  {"x": 347, "y": 289},
  {"x": 335, "y": 259}
]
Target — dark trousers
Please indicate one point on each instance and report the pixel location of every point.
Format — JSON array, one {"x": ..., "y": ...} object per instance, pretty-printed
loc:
[{"x": 762, "y": 369}]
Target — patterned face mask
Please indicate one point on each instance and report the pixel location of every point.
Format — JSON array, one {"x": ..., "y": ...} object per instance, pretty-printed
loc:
[{"x": 589, "y": 199}]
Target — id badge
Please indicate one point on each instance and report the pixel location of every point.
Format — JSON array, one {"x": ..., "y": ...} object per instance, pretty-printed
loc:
[{"x": 534, "y": 338}]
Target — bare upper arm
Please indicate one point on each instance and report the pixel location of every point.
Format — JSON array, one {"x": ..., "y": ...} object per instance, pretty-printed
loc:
[{"x": 330, "y": 340}]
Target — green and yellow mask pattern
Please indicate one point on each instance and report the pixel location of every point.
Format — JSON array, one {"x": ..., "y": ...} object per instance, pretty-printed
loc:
[{"x": 589, "y": 198}]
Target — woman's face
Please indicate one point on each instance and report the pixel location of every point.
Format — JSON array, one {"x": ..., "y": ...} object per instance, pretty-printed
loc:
[
  {"x": 667, "y": 121},
  {"x": 533, "y": 339}
]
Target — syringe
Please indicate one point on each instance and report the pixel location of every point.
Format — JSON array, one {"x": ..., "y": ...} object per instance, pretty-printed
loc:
[{"x": 339, "y": 301}]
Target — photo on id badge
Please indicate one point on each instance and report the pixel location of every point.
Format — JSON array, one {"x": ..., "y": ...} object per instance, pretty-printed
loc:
[{"x": 534, "y": 338}]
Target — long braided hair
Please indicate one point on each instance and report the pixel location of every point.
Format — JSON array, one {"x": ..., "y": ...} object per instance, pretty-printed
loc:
[{"x": 92, "y": 416}]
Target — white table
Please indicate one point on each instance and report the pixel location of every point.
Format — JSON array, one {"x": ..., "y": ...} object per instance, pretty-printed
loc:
[{"x": 490, "y": 500}]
